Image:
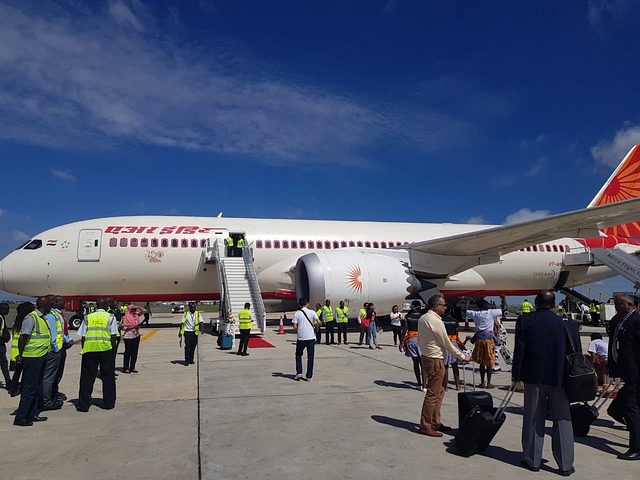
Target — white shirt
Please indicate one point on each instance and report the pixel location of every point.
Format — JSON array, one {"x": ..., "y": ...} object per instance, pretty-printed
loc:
[
  {"x": 483, "y": 319},
  {"x": 395, "y": 319},
  {"x": 190, "y": 324},
  {"x": 112, "y": 325},
  {"x": 599, "y": 347},
  {"x": 305, "y": 329}
]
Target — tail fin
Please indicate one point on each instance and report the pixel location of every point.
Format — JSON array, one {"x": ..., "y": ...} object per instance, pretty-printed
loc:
[{"x": 623, "y": 184}]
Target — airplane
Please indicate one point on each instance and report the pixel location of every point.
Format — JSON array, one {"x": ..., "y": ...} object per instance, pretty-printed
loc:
[{"x": 167, "y": 258}]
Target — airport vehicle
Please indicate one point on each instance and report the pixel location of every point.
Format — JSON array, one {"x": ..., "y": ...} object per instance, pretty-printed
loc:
[
  {"x": 178, "y": 309},
  {"x": 170, "y": 258}
]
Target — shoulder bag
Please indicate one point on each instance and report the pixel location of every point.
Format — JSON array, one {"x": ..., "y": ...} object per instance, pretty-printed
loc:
[
  {"x": 580, "y": 378},
  {"x": 315, "y": 327},
  {"x": 5, "y": 334}
]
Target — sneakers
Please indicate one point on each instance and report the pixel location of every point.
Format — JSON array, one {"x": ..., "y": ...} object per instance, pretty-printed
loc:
[
  {"x": 497, "y": 368},
  {"x": 299, "y": 377},
  {"x": 308, "y": 379}
]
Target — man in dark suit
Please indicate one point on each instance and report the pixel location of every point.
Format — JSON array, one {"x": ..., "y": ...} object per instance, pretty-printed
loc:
[
  {"x": 539, "y": 357},
  {"x": 624, "y": 362}
]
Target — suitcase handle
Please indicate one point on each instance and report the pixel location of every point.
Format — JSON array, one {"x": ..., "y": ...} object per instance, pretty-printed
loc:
[
  {"x": 599, "y": 402},
  {"x": 505, "y": 401},
  {"x": 473, "y": 376}
]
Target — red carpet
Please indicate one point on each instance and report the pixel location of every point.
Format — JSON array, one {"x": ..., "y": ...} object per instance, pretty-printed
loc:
[{"x": 259, "y": 342}]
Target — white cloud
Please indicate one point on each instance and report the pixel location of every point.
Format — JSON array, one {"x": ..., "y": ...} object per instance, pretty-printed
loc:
[
  {"x": 1, "y": 212},
  {"x": 477, "y": 220},
  {"x": 612, "y": 152},
  {"x": 63, "y": 175},
  {"x": 600, "y": 12},
  {"x": 537, "y": 167},
  {"x": 172, "y": 211},
  {"x": 389, "y": 6},
  {"x": 524, "y": 215},
  {"x": 92, "y": 80},
  {"x": 140, "y": 207},
  {"x": 18, "y": 236}
]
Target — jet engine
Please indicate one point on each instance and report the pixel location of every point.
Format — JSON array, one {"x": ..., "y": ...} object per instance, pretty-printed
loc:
[{"x": 357, "y": 276}]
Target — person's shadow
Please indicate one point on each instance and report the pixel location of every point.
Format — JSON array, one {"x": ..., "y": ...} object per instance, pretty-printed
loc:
[
  {"x": 396, "y": 422},
  {"x": 384, "y": 383},
  {"x": 178, "y": 362},
  {"x": 290, "y": 376}
]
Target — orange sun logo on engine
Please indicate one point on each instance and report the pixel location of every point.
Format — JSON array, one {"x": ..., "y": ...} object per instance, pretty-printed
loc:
[{"x": 353, "y": 279}]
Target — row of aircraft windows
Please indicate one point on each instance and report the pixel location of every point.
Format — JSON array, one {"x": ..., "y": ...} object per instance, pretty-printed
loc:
[
  {"x": 319, "y": 244},
  {"x": 547, "y": 248},
  {"x": 294, "y": 244}
]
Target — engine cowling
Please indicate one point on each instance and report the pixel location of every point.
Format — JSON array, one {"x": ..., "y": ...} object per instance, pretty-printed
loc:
[{"x": 356, "y": 277}]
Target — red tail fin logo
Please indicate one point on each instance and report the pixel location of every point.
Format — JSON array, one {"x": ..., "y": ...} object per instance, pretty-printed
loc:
[{"x": 623, "y": 184}]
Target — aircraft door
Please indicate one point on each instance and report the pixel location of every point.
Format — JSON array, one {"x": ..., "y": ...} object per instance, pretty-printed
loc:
[{"x": 89, "y": 245}]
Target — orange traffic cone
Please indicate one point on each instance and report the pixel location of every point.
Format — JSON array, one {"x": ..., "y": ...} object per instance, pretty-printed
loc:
[{"x": 281, "y": 327}]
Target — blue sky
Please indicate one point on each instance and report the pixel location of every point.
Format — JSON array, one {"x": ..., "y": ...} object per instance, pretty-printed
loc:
[{"x": 391, "y": 110}]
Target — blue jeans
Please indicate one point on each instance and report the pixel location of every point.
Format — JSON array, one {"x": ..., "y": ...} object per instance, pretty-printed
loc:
[
  {"x": 372, "y": 332},
  {"x": 310, "y": 345}
]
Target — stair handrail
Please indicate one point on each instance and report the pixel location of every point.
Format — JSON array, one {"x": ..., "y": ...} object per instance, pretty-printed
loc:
[
  {"x": 254, "y": 286},
  {"x": 222, "y": 280},
  {"x": 589, "y": 289}
]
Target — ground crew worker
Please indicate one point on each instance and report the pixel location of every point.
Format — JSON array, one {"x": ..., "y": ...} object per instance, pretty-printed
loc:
[
  {"x": 67, "y": 340},
  {"x": 229, "y": 244},
  {"x": 53, "y": 359},
  {"x": 342, "y": 314},
  {"x": 33, "y": 346},
  {"x": 91, "y": 308},
  {"x": 361, "y": 314},
  {"x": 4, "y": 364},
  {"x": 318, "y": 324},
  {"x": 329, "y": 322},
  {"x": 245, "y": 324},
  {"x": 191, "y": 326},
  {"x": 23, "y": 310},
  {"x": 240, "y": 245},
  {"x": 526, "y": 306},
  {"x": 594, "y": 311},
  {"x": 98, "y": 332}
]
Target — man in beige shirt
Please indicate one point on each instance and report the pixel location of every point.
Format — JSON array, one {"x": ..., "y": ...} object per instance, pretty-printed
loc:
[{"x": 434, "y": 342}]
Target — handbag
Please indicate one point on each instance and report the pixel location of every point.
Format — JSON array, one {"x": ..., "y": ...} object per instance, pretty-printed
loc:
[
  {"x": 365, "y": 322},
  {"x": 580, "y": 378}
]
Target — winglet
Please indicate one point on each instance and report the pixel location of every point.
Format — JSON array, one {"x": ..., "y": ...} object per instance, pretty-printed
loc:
[{"x": 623, "y": 184}]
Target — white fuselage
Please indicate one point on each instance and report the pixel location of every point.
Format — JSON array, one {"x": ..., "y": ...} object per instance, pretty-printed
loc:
[{"x": 164, "y": 258}]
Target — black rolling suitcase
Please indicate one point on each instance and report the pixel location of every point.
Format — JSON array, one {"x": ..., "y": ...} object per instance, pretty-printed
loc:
[
  {"x": 468, "y": 400},
  {"x": 480, "y": 427},
  {"x": 583, "y": 414}
]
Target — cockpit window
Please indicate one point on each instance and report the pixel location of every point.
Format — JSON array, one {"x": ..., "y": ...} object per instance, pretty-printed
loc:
[
  {"x": 33, "y": 245},
  {"x": 23, "y": 245}
]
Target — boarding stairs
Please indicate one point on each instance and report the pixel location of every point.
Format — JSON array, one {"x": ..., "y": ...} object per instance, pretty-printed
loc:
[
  {"x": 625, "y": 263},
  {"x": 238, "y": 284}
]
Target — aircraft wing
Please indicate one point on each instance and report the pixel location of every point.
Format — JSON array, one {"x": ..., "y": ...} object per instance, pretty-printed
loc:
[{"x": 584, "y": 223}]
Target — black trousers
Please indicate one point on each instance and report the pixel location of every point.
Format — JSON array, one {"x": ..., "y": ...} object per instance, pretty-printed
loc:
[
  {"x": 15, "y": 381},
  {"x": 330, "y": 328},
  {"x": 63, "y": 360},
  {"x": 4, "y": 364},
  {"x": 319, "y": 335},
  {"x": 31, "y": 399},
  {"x": 397, "y": 332},
  {"x": 190, "y": 344},
  {"x": 131, "y": 346},
  {"x": 114, "y": 351},
  {"x": 90, "y": 362},
  {"x": 49, "y": 380},
  {"x": 244, "y": 340},
  {"x": 342, "y": 330},
  {"x": 631, "y": 412}
]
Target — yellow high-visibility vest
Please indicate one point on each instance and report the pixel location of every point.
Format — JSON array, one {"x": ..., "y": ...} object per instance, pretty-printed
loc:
[
  {"x": 196, "y": 320},
  {"x": 244, "y": 317},
  {"x": 98, "y": 335},
  {"x": 229, "y": 242},
  {"x": 526, "y": 307},
  {"x": 328, "y": 314},
  {"x": 240, "y": 243},
  {"x": 59, "y": 329},
  {"x": 39, "y": 343},
  {"x": 342, "y": 314}
]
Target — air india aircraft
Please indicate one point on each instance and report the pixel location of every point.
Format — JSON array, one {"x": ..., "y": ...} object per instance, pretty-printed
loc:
[{"x": 167, "y": 258}]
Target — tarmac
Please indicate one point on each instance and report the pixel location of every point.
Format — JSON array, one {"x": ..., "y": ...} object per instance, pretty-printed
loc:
[{"x": 231, "y": 417}]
